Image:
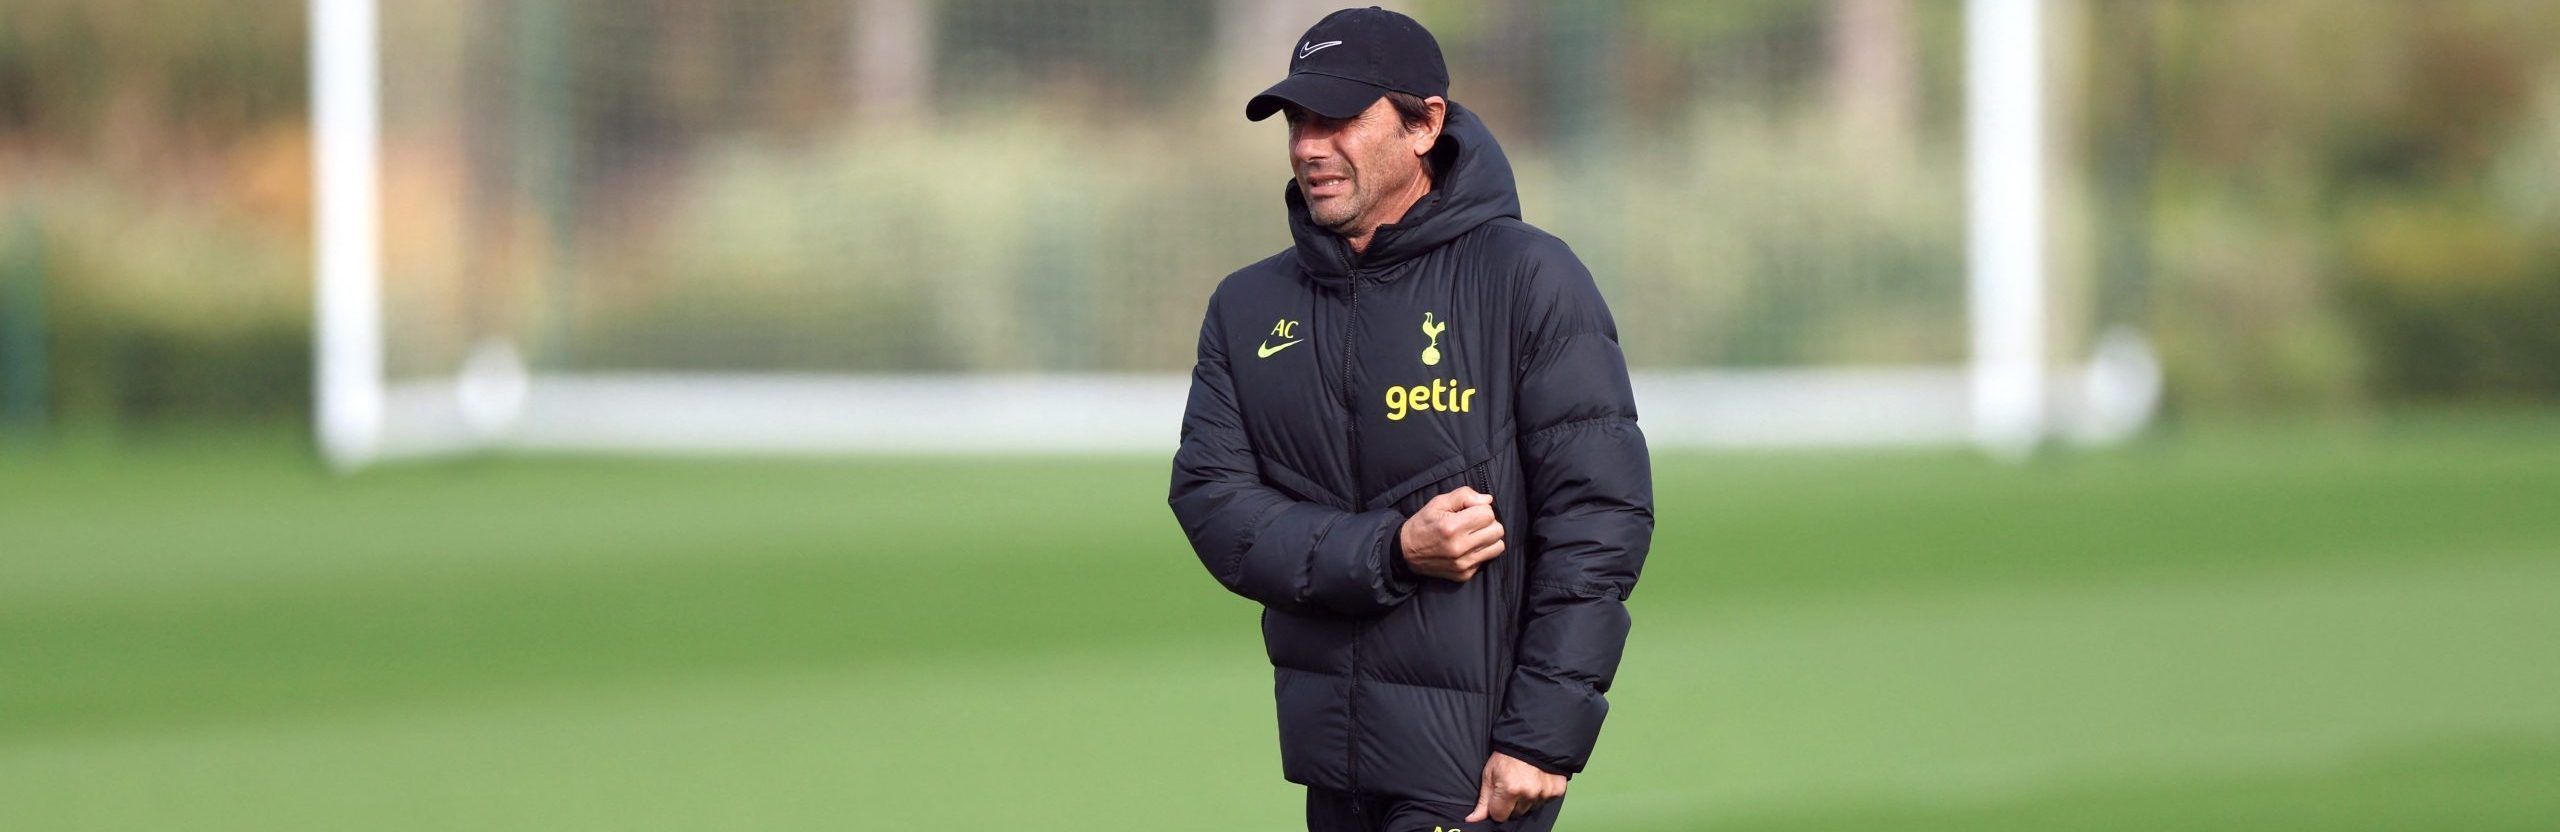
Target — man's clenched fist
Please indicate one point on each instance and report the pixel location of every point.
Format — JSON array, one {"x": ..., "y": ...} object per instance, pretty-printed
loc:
[
  {"x": 1452, "y": 535},
  {"x": 1512, "y": 787}
]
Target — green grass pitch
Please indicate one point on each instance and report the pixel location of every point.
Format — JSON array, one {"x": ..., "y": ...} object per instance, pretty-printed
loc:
[{"x": 2268, "y": 627}]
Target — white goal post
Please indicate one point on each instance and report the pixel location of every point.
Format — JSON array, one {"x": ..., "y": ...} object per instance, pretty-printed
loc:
[{"x": 2005, "y": 397}]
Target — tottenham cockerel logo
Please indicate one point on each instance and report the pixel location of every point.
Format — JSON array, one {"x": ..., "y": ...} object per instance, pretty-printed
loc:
[{"x": 1431, "y": 353}]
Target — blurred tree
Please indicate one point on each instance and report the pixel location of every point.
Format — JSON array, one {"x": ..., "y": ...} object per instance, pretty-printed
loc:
[
  {"x": 22, "y": 325},
  {"x": 893, "y": 57}
]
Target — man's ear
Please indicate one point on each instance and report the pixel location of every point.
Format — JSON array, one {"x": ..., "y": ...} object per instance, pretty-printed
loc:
[{"x": 1423, "y": 139}]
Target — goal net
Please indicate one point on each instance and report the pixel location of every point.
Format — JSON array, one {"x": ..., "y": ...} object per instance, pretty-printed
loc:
[{"x": 991, "y": 225}]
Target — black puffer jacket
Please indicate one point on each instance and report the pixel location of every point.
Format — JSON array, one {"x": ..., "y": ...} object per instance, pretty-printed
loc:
[{"x": 1333, "y": 396}]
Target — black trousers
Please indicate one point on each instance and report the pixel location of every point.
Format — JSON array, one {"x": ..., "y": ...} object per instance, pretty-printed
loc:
[{"x": 1333, "y": 811}]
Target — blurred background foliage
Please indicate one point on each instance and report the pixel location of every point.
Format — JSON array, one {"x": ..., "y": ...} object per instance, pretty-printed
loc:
[
  {"x": 2307, "y": 204},
  {"x": 2348, "y": 201},
  {"x": 155, "y": 209}
]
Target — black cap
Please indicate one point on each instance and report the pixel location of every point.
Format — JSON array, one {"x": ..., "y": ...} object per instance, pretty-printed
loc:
[{"x": 1351, "y": 58}]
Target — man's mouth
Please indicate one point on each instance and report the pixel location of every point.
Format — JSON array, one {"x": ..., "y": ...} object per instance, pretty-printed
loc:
[{"x": 1326, "y": 185}]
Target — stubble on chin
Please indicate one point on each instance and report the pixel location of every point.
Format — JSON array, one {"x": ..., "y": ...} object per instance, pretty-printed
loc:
[{"x": 1334, "y": 214}]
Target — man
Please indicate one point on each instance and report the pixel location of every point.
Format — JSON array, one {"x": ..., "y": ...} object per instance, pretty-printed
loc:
[{"x": 1410, "y": 437}]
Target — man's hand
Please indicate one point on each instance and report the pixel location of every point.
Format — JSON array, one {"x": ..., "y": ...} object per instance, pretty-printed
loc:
[
  {"x": 1512, "y": 788},
  {"x": 1452, "y": 535}
]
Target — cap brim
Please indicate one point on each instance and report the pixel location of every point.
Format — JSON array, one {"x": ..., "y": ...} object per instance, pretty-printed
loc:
[{"x": 1324, "y": 95}]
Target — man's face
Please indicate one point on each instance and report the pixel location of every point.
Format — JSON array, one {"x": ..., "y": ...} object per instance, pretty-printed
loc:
[{"x": 1345, "y": 167}]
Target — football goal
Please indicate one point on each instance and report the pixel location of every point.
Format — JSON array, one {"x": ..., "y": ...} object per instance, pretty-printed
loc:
[{"x": 960, "y": 226}]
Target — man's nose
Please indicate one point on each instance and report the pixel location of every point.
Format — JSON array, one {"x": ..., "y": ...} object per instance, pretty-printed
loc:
[{"x": 1306, "y": 145}]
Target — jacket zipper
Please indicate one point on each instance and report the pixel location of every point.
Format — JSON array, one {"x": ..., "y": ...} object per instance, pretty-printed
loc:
[
  {"x": 1351, "y": 433},
  {"x": 1500, "y": 600}
]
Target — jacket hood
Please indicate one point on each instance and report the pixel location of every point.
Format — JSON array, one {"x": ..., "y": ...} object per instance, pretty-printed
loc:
[{"x": 1471, "y": 185}]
